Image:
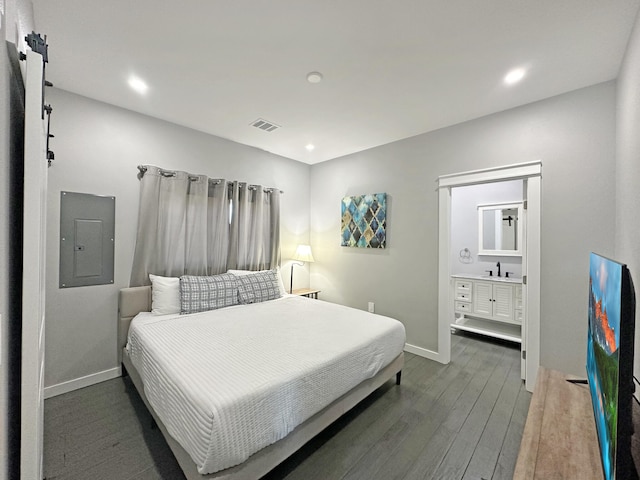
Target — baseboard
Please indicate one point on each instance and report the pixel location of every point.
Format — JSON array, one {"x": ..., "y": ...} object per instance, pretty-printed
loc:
[
  {"x": 86, "y": 381},
  {"x": 423, "y": 352}
]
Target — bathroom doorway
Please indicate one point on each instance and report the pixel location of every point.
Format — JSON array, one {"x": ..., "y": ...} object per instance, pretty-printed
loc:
[
  {"x": 487, "y": 233},
  {"x": 511, "y": 191}
]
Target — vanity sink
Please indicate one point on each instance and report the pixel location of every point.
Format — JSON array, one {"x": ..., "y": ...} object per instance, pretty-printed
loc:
[
  {"x": 493, "y": 278},
  {"x": 501, "y": 279}
]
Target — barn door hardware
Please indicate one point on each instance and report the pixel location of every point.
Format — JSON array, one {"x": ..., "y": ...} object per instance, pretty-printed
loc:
[
  {"x": 39, "y": 45},
  {"x": 50, "y": 155}
]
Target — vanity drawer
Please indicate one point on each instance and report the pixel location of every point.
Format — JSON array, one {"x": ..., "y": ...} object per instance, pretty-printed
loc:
[
  {"x": 463, "y": 307},
  {"x": 463, "y": 296},
  {"x": 463, "y": 286}
]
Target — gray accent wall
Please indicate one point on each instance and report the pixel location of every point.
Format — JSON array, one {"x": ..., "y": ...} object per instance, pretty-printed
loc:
[
  {"x": 97, "y": 148},
  {"x": 627, "y": 207},
  {"x": 572, "y": 134}
]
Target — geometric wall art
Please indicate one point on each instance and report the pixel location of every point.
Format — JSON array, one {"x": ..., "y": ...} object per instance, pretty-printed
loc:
[{"x": 364, "y": 221}]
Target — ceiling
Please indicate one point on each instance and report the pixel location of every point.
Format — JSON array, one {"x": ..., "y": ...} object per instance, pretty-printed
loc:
[{"x": 392, "y": 69}]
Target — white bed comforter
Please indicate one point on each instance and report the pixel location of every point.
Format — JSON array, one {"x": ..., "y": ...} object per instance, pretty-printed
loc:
[{"x": 229, "y": 382}]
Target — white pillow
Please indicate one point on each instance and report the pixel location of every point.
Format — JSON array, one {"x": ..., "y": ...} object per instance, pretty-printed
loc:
[
  {"x": 165, "y": 294},
  {"x": 240, "y": 273}
]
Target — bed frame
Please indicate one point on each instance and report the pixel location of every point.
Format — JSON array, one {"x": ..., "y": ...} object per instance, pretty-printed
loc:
[{"x": 134, "y": 300}]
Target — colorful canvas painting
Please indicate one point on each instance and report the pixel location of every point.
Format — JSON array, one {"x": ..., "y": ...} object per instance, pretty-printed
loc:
[{"x": 364, "y": 221}]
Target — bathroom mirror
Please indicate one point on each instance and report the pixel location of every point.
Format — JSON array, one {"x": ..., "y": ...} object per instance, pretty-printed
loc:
[{"x": 500, "y": 229}]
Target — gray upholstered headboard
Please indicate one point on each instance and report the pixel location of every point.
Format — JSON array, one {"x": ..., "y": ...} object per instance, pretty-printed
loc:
[{"x": 131, "y": 301}]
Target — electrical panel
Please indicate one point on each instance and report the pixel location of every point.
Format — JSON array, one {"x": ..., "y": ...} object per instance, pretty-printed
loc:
[{"x": 87, "y": 238}]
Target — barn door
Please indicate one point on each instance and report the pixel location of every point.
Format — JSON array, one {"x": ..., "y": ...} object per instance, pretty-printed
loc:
[{"x": 33, "y": 276}]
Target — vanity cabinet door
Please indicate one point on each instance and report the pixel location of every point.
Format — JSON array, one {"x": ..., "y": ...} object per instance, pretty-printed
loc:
[
  {"x": 493, "y": 300},
  {"x": 503, "y": 302},
  {"x": 483, "y": 299}
]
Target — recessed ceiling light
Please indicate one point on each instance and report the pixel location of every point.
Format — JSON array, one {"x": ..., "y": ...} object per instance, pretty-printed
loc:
[
  {"x": 138, "y": 85},
  {"x": 310, "y": 147},
  {"x": 314, "y": 77},
  {"x": 514, "y": 76}
]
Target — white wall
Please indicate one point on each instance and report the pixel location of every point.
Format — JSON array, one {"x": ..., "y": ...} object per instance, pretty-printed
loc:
[
  {"x": 628, "y": 171},
  {"x": 464, "y": 227},
  {"x": 98, "y": 147},
  {"x": 572, "y": 134}
]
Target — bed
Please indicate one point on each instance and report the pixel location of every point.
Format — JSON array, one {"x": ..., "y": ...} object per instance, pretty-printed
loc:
[{"x": 290, "y": 422}]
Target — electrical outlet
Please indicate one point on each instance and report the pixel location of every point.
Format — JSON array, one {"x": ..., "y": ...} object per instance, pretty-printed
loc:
[{"x": 372, "y": 307}]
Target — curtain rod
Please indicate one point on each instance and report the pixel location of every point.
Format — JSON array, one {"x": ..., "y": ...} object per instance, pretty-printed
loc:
[
  {"x": 253, "y": 187},
  {"x": 215, "y": 181}
]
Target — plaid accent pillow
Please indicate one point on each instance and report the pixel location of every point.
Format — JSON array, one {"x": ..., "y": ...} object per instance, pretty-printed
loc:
[
  {"x": 200, "y": 293},
  {"x": 259, "y": 287}
]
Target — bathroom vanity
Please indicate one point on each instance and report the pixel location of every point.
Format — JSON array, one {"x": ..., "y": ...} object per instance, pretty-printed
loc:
[{"x": 488, "y": 305}]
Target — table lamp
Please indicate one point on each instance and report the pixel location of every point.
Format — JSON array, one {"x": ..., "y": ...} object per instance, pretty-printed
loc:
[{"x": 303, "y": 254}]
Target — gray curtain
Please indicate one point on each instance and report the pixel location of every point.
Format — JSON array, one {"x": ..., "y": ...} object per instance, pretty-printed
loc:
[
  {"x": 255, "y": 227},
  {"x": 218, "y": 228},
  {"x": 184, "y": 226}
]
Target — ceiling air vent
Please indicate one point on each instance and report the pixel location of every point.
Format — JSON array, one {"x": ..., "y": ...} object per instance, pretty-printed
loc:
[{"x": 262, "y": 124}]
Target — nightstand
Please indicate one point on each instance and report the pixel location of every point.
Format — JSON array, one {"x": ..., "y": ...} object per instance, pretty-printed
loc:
[{"x": 306, "y": 292}]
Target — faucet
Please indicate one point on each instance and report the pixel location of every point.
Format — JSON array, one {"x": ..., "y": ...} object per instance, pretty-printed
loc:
[{"x": 498, "y": 265}]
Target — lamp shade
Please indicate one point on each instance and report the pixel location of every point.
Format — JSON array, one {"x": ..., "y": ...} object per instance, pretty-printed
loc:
[{"x": 303, "y": 254}]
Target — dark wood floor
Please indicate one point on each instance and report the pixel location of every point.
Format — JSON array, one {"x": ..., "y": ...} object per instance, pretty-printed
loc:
[{"x": 458, "y": 421}]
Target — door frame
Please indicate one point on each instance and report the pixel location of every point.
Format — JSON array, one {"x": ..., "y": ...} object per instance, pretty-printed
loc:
[{"x": 532, "y": 173}]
